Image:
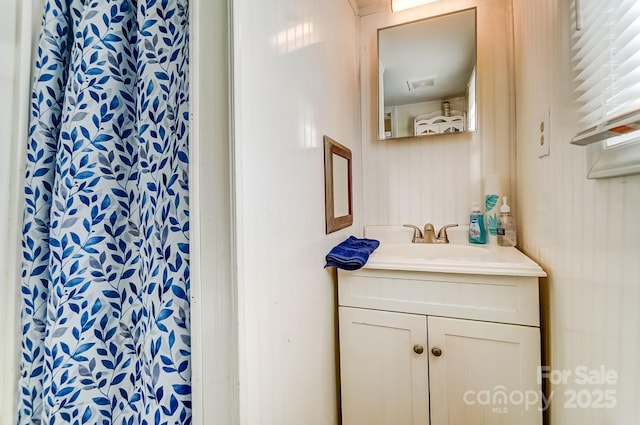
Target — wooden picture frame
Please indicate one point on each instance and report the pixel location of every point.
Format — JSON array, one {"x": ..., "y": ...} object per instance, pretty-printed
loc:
[{"x": 337, "y": 185}]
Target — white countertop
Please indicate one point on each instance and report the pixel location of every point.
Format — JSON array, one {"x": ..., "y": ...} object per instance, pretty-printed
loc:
[{"x": 396, "y": 254}]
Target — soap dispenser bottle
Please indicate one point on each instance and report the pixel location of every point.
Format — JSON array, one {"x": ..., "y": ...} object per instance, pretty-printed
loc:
[
  {"x": 477, "y": 229},
  {"x": 506, "y": 226}
]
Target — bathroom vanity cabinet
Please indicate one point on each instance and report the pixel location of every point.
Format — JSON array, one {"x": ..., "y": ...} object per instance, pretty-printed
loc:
[{"x": 420, "y": 348}]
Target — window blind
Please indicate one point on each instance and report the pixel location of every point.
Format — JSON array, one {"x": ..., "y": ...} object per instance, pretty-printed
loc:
[{"x": 606, "y": 59}]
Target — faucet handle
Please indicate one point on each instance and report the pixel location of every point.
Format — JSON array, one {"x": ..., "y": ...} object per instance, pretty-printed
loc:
[
  {"x": 417, "y": 233},
  {"x": 442, "y": 233}
]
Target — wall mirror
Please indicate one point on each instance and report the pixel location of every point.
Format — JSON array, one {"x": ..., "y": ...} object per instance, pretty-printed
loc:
[
  {"x": 337, "y": 185},
  {"x": 427, "y": 76}
]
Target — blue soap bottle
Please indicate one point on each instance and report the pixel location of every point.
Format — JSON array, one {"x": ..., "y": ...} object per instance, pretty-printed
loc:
[{"x": 477, "y": 229}]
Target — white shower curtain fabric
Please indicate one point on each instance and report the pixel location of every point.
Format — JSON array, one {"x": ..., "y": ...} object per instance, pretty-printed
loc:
[{"x": 105, "y": 273}]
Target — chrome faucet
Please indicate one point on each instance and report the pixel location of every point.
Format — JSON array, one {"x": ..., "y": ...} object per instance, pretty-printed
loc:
[{"x": 428, "y": 235}]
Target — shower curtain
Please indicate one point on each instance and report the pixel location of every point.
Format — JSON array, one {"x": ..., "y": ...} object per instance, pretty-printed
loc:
[{"x": 105, "y": 273}]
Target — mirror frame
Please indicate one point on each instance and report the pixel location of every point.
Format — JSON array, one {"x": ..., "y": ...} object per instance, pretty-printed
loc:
[
  {"x": 333, "y": 223},
  {"x": 380, "y": 108}
]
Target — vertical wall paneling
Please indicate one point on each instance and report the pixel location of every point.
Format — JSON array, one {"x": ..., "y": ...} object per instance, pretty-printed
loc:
[
  {"x": 583, "y": 232},
  {"x": 435, "y": 179},
  {"x": 295, "y": 79}
]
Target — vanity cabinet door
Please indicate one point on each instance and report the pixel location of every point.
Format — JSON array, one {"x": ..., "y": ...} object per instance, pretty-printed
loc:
[
  {"x": 383, "y": 368},
  {"x": 483, "y": 373}
]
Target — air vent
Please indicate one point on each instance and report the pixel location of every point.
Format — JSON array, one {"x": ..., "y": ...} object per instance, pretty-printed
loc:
[{"x": 420, "y": 84}]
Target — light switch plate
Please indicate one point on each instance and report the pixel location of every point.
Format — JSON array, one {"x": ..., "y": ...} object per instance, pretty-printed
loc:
[{"x": 544, "y": 140}]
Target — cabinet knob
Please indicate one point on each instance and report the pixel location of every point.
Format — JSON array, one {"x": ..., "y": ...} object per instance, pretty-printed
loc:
[
  {"x": 436, "y": 351},
  {"x": 418, "y": 349}
]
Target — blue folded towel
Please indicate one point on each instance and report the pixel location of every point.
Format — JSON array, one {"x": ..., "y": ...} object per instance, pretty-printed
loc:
[{"x": 351, "y": 254}]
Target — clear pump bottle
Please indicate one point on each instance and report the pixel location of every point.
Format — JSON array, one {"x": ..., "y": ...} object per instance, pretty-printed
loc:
[{"x": 506, "y": 226}]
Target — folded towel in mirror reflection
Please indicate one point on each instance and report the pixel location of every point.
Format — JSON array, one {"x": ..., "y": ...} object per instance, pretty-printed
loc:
[{"x": 351, "y": 254}]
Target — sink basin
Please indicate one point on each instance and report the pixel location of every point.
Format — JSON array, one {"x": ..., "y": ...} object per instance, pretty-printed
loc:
[{"x": 428, "y": 251}]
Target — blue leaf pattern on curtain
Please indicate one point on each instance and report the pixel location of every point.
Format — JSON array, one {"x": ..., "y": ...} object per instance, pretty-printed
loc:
[{"x": 105, "y": 281}]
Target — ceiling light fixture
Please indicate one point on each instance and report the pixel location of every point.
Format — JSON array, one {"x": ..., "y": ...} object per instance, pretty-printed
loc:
[{"x": 398, "y": 5}]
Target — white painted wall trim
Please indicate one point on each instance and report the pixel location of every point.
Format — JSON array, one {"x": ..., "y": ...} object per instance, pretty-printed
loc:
[
  {"x": 213, "y": 282},
  {"x": 27, "y": 16}
]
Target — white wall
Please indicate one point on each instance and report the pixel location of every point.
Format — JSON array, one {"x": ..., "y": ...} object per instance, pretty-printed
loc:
[
  {"x": 584, "y": 233},
  {"x": 17, "y": 33},
  {"x": 436, "y": 179},
  {"x": 214, "y": 324},
  {"x": 296, "y": 79},
  {"x": 8, "y": 372}
]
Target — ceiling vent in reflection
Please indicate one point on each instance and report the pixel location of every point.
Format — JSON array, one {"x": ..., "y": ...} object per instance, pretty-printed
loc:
[{"x": 421, "y": 84}]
